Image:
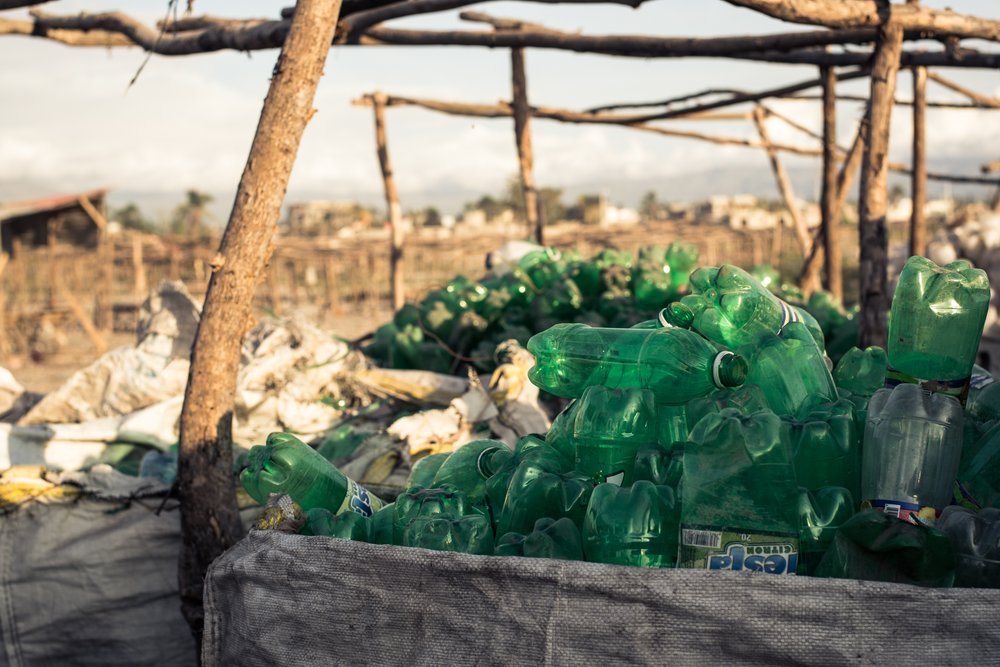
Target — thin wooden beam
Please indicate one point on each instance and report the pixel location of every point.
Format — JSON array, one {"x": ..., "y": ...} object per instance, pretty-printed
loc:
[
  {"x": 978, "y": 99},
  {"x": 393, "y": 209},
  {"x": 918, "y": 180},
  {"x": 522, "y": 138},
  {"x": 873, "y": 239}
]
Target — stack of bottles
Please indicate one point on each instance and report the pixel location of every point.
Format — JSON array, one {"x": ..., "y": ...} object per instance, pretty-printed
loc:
[
  {"x": 547, "y": 287},
  {"x": 715, "y": 436}
]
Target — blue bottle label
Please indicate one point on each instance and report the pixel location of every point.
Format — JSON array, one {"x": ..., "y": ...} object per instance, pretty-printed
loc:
[
  {"x": 955, "y": 388},
  {"x": 788, "y": 314},
  {"x": 360, "y": 500},
  {"x": 904, "y": 511},
  {"x": 978, "y": 381},
  {"x": 713, "y": 548}
]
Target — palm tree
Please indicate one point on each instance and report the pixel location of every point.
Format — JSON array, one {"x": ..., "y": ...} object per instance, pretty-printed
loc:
[{"x": 188, "y": 217}]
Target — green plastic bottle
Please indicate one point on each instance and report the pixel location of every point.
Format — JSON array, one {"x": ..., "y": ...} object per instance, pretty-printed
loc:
[
  {"x": 675, "y": 364},
  {"x": 470, "y": 534},
  {"x": 550, "y": 538},
  {"x": 652, "y": 283},
  {"x": 739, "y": 496},
  {"x": 978, "y": 483},
  {"x": 422, "y": 503},
  {"x": 663, "y": 465},
  {"x": 748, "y": 399},
  {"x": 531, "y": 448},
  {"x": 610, "y": 427},
  {"x": 983, "y": 404},
  {"x": 826, "y": 447},
  {"x": 469, "y": 466},
  {"x": 560, "y": 435},
  {"x": 861, "y": 372},
  {"x": 632, "y": 526},
  {"x": 730, "y": 307},
  {"x": 828, "y": 311},
  {"x": 821, "y": 513},
  {"x": 878, "y": 547},
  {"x": 935, "y": 325},
  {"x": 423, "y": 471},
  {"x": 346, "y": 526},
  {"x": 791, "y": 371},
  {"x": 537, "y": 491},
  {"x": 285, "y": 464},
  {"x": 681, "y": 258}
]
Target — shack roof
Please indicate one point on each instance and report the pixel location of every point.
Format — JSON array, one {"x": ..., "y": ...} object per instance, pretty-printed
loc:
[{"x": 19, "y": 209}]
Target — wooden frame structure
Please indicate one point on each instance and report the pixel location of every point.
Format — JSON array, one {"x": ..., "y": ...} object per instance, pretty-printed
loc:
[{"x": 304, "y": 34}]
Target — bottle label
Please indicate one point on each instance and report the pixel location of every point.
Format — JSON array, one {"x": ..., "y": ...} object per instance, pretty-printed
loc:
[
  {"x": 978, "y": 381},
  {"x": 955, "y": 388},
  {"x": 904, "y": 511},
  {"x": 712, "y": 548},
  {"x": 358, "y": 499},
  {"x": 788, "y": 313}
]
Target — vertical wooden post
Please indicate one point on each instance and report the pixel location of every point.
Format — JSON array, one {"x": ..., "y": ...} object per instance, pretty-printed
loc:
[
  {"x": 392, "y": 205},
  {"x": 210, "y": 520},
  {"x": 828, "y": 196},
  {"x": 522, "y": 137},
  {"x": 139, "y": 267},
  {"x": 785, "y": 186},
  {"x": 918, "y": 184},
  {"x": 873, "y": 239}
]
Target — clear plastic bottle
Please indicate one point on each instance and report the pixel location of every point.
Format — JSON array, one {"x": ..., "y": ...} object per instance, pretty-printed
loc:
[{"x": 911, "y": 452}]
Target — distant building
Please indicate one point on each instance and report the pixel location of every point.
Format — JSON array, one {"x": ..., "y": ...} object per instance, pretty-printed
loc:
[
  {"x": 315, "y": 218},
  {"x": 75, "y": 219}
]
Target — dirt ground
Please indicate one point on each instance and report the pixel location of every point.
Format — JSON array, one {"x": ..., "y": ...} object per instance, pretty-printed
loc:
[{"x": 77, "y": 351}]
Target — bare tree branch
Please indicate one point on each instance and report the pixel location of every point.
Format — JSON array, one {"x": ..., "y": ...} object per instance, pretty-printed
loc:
[
  {"x": 871, "y": 13},
  {"x": 366, "y": 19},
  {"x": 18, "y": 4},
  {"x": 258, "y": 34},
  {"x": 67, "y": 37}
]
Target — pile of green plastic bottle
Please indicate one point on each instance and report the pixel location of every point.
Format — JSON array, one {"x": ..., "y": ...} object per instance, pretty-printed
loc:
[
  {"x": 467, "y": 319},
  {"x": 716, "y": 436}
]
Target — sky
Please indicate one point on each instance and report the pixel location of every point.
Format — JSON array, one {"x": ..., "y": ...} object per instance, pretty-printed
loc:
[{"x": 69, "y": 122}]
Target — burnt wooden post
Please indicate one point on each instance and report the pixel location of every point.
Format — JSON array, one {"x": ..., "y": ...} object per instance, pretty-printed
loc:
[
  {"x": 522, "y": 137},
  {"x": 394, "y": 212},
  {"x": 918, "y": 182},
  {"x": 874, "y": 180},
  {"x": 828, "y": 196},
  {"x": 210, "y": 520}
]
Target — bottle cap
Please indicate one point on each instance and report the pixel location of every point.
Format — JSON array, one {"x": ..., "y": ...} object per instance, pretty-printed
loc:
[{"x": 729, "y": 370}]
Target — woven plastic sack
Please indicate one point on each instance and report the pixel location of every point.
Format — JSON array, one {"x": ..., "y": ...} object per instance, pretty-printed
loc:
[{"x": 277, "y": 599}]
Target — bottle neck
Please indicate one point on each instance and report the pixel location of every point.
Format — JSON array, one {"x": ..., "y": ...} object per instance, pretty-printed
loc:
[{"x": 728, "y": 370}]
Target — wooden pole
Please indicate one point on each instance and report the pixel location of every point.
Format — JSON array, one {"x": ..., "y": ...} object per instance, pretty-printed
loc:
[
  {"x": 874, "y": 184},
  {"x": 785, "y": 186},
  {"x": 918, "y": 182},
  {"x": 210, "y": 520},
  {"x": 828, "y": 196},
  {"x": 522, "y": 137},
  {"x": 139, "y": 267},
  {"x": 395, "y": 213}
]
